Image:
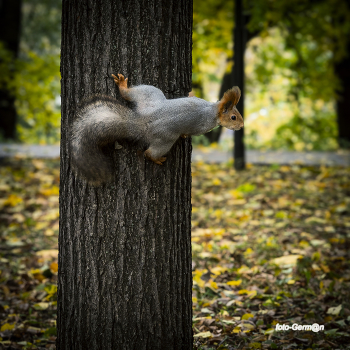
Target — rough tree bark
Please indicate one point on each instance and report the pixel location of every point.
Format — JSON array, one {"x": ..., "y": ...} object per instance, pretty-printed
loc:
[
  {"x": 10, "y": 20},
  {"x": 124, "y": 249}
]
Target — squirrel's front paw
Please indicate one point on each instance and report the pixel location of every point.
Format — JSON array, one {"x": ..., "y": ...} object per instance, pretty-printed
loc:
[
  {"x": 155, "y": 160},
  {"x": 160, "y": 160},
  {"x": 120, "y": 81}
]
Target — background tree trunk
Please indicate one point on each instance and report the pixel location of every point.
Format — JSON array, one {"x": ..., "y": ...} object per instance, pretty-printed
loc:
[
  {"x": 214, "y": 135},
  {"x": 342, "y": 69},
  {"x": 10, "y": 20},
  {"x": 125, "y": 278},
  {"x": 240, "y": 39}
]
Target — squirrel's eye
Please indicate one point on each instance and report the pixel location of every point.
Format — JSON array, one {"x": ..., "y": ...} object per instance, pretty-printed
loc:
[{"x": 233, "y": 117}]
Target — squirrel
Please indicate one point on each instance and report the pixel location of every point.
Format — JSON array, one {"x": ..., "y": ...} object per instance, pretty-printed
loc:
[{"x": 153, "y": 120}]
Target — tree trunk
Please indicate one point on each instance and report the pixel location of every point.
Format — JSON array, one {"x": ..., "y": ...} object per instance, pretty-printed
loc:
[
  {"x": 240, "y": 38},
  {"x": 342, "y": 70},
  {"x": 10, "y": 19},
  {"x": 125, "y": 278}
]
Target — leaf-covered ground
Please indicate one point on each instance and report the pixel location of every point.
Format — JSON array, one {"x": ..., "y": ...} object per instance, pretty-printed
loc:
[{"x": 270, "y": 246}]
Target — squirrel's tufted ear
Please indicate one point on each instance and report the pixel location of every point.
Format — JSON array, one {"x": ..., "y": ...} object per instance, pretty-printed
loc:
[{"x": 232, "y": 95}]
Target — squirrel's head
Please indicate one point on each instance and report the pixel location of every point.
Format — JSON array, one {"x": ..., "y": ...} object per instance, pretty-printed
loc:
[{"x": 229, "y": 117}]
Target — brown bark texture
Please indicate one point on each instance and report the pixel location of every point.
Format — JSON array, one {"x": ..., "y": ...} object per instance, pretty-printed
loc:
[{"x": 125, "y": 278}]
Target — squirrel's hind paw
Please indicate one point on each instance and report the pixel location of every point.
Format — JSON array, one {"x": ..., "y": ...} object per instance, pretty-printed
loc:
[{"x": 120, "y": 80}]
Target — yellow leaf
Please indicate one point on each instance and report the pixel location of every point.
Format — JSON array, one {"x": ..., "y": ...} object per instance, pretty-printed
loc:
[
  {"x": 53, "y": 191},
  {"x": 54, "y": 267},
  {"x": 243, "y": 291},
  {"x": 247, "y": 316},
  {"x": 12, "y": 200},
  {"x": 7, "y": 326},
  {"x": 316, "y": 256},
  {"x": 286, "y": 260},
  {"x": 218, "y": 213},
  {"x": 194, "y": 300},
  {"x": 49, "y": 232},
  {"x": 39, "y": 276},
  {"x": 51, "y": 289},
  {"x": 291, "y": 282},
  {"x": 236, "y": 330},
  {"x": 325, "y": 268},
  {"x": 216, "y": 182},
  {"x": 197, "y": 279},
  {"x": 334, "y": 310},
  {"x": 243, "y": 269},
  {"x": 40, "y": 225},
  {"x": 249, "y": 251},
  {"x": 39, "y": 164},
  {"x": 213, "y": 285},
  {"x": 236, "y": 194},
  {"x": 48, "y": 253},
  {"x": 41, "y": 306},
  {"x": 285, "y": 169},
  {"x": 218, "y": 270},
  {"x": 269, "y": 331},
  {"x": 234, "y": 283},
  {"x": 304, "y": 244},
  {"x": 252, "y": 294},
  {"x": 203, "y": 335},
  {"x": 281, "y": 215}
]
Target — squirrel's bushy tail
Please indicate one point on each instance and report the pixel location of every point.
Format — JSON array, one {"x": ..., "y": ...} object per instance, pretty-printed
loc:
[{"x": 99, "y": 122}]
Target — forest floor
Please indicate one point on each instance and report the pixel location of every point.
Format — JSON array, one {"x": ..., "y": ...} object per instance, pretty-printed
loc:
[{"x": 270, "y": 247}]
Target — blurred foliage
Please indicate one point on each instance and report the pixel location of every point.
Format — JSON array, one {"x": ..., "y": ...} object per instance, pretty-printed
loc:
[
  {"x": 34, "y": 78},
  {"x": 212, "y": 41},
  {"x": 289, "y": 68},
  {"x": 310, "y": 38},
  {"x": 41, "y": 26}
]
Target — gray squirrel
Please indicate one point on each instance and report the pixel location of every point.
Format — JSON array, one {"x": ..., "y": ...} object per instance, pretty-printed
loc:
[{"x": 152, "y": 120}]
